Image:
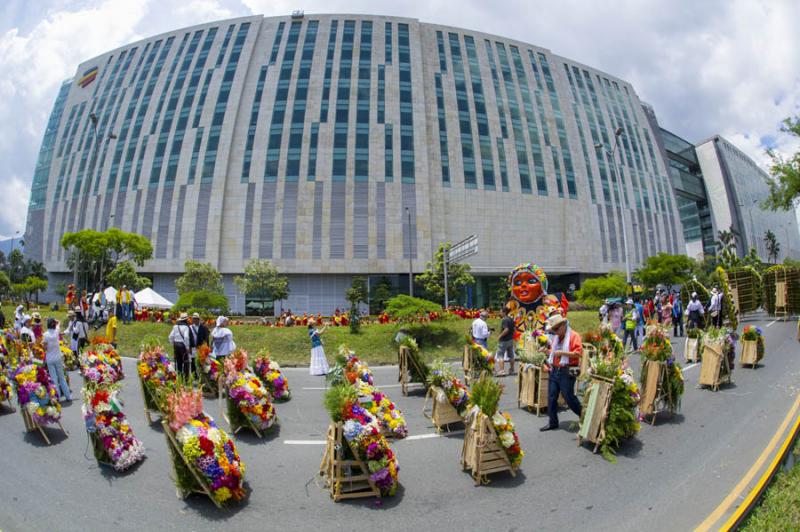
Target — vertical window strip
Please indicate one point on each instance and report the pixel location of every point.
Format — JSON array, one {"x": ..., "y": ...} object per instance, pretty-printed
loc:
[
  {"x": 186, "y": 107},
  {"x": 67, "y": 127},
  {"x": 501, "y": 153},
  {"x": 624, "y": 150},
  {"x": 388, "y": 150},
  {"x": 44, "y": 160},
  {"x": 482, "y": 120},
  {"x": 563, "y": 140},
  {"x": 275, "y": 138},
  {"x": 387, "y": 39},
  {"x": 516, "y": 120},
  {"x": 167, "y": 83},
  {"x": 361, "y": 168},
  {"x": 443, "y": 145},
  {"x": 582, "y": 136},
  {"x": 276, "y": 43},
  {"x": 251, "y": 128},
  {"x": 326, "y": 83},
  {"x": 215, "y": 129},
  {"x": 224, "y": 47},
  {"x": 300, "y": 99},
  {"x": 464, "y": 117},
  {"x": 407, "y": 170},
  {"x": 312, "y": 152},
  {"x": 442, "y": 53},
  {"x": 533, "y": 128},
  {"x": 342, "y": 114},
  {"x": 169, "y": 113},
  {"x": 198, "y": 140},
  {"x": 381, "y": 94},
  {"x": 202, "y": 100},
  {"x": 593, "y": 130},
  {"x": 603, "y": 132},
  {"x": 499, "y": 98}
]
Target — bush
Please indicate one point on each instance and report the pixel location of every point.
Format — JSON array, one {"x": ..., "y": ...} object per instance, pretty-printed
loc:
[
  {"x": 594, "y": 291},
  {"x": 433, "y": 333},
  {"x": 406, "y": 308},
  {"x": 202, "y": 302}
]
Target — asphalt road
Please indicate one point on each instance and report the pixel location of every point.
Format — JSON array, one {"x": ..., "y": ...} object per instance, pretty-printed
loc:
[{"x": 670, "y": 477}]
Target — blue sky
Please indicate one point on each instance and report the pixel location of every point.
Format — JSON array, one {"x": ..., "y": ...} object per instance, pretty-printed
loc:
[{"x": 725, "y": 66}]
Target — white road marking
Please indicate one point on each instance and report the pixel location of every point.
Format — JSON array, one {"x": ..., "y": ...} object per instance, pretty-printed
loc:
[
  {"x": 304, "y": 442},
  {"x": 422, "y": 436},
  {"x": 409, "y": 438},
  {"x": 770, "y": 324},
  {"x": 690, "y": 366}
]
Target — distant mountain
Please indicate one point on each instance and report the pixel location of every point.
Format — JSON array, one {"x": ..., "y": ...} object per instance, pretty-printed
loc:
[{"x": 5, "y": 245}]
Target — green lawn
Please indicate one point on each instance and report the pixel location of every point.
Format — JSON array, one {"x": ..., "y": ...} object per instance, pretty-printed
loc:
[
  {"x": 291, "y": 346},
  {"x": 780, "y": 507}
]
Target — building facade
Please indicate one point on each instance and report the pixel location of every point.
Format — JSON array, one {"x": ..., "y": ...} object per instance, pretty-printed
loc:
[
  {"x": 737, "y": 187},
  {"x": 690, "y": 194},
  {"x": 336, "y": 145}
]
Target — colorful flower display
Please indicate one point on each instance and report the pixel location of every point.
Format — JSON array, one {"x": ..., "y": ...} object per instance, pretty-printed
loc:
[
  {"x": 457, "y": 394},
  {"x": 102, "y": 413},
  {"x": 101, "y": 364},
  {"x": 482, "y": 356},
  {"x": 363, "y": 434},
  {"x": 270, "y": 374},
  {"x": 755, "y": 334},
  {"x": 36, "y": 394},
  {"x": 508, "y": 437},
  {"x": 210, "y": 368},
  {"x": 386, "y": 413},
  {"x": 657, "y": 347},
  {"x": 208, "y": 448},
  {"x": 156, "y": 367},
  {"x": 354, "y": 368},
  {"x": 6, "y": 389},
  {"x": 248, "y": 397}
]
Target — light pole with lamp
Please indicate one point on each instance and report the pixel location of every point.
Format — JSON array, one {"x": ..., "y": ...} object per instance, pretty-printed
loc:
[
  {"x": 611, "y": 154},
  {"x": 410, "y": 268}
]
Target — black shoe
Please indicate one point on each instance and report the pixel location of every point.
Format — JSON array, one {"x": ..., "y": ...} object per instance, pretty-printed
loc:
[{"x": 548, "y": 427}]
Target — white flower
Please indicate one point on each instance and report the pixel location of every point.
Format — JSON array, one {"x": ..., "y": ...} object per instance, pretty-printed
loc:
[
  {"x": 507, "y": 438},
  {"x": 499, "y": 419}
]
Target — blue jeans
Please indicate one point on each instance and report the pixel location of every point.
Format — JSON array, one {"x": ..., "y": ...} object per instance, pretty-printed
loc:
[
  {"x": 481, "y": 341},
  {"x": 561, "y": 382},
  {"x": 56, "y": 370}
]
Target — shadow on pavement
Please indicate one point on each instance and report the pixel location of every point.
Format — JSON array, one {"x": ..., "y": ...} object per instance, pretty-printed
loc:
[
  {"x": 249, "y": 437},
  {"x": 204, "y": 506},
  {"x": 665, "y": 418},
  {"x": 630, "y": 448},
  {"x": 377, "y": 504},
  {"x": 110, "y": 474},
  {"x": 55, "y": 435}
]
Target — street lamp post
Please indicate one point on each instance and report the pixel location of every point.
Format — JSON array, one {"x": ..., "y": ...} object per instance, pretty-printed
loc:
[
  {"x": 611, "y": 154},
  {"x": 410, "y": 267}
]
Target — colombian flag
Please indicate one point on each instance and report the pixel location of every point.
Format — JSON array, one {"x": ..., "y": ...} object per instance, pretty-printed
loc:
[{"x": 88, "y": 77}]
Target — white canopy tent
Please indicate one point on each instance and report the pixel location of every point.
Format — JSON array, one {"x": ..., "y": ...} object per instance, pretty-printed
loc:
[
  {"x": 149, "y": 298},
  {"x": 110, "y": 293}
]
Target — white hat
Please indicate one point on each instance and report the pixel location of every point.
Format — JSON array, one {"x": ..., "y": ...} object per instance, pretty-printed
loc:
[
  {"x": 221, "y": 320},
  {"x": 555, "y": 320},
  {"x": 629, "y": 301},
  {"x": 694, "y": 294}
]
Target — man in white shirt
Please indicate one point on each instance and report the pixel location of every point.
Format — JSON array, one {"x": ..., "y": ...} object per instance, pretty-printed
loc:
[
  {"x": 715, "y": 307},
  {"x": 480, "y": 331},
  {"x": 181, "y": 339},
  {"x": 695, "y": 312}
]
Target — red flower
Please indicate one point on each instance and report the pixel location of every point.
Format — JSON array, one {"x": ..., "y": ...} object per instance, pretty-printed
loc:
[{"x": 206, "y": 445}]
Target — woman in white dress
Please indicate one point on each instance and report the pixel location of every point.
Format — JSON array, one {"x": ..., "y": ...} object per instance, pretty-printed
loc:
[{"x": 319, "y": 365}]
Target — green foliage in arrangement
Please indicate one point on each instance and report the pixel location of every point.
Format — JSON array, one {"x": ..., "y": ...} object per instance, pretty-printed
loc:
[{"x": 486, "y": 394}]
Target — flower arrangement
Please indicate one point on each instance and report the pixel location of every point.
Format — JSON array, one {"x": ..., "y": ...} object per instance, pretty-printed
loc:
[
  {"x": 36, "y": 394},
  {"x": 248, "y": 400},
  {"x": 354, "y": 368},
  {"x": 727, "y": 337},
  {"x": 100, "y": 364},
  {"x": 71, "y": 362},
  {"x": 481, "y": 356},
  {"x": 486, "y": 394},
  {"x": 363, "y": 435},
  {"x": 5, "y": 384},
  {"x": 239, "y": 360},
  {"x": 755, "y": 334},
  {"x": 418, "y": 368},
  {"x": 156, "y": 371},
  {"x": 210, "y": 369},
  {"x": 457, "y": 394},
  {"x": 208, "y": 449},
  {"x": 389, "y": 417},
  {"x": 270, "y": 374},
  {"x": 102, "y": 413},
  {"x": 622, "y": 421},
  {"x": 657, "y": 347}
]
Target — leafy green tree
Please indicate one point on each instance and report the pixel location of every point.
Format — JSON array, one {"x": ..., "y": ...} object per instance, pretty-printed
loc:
[
  {"x": 202, "y": 301},
  {"x": 784, "y": 187},
  {"x": 380, "y": 295},
  {"x": 594, "y": 291},
  {"x": 773, "y": 246},
  {"x": 262, "y": 279},
  {"x": 16, "y": 266},
  {"x": 432, "y": 279},
  {"x": 125, "y": 275},
  {"x": 726, "y": 245},
  {"x": 199, "y": 277},
  {"x": 357, "y": 293},
  {"x": 665, "y": 269},
  {"x": 406, "y": 308},
  {"x": 703, "y": 270},
  {"x": 5, "y": 284},
  {"x": 95, "y": 253},
  {"x": 791, "y": 263},
  {"x": 34, "y": 285}
]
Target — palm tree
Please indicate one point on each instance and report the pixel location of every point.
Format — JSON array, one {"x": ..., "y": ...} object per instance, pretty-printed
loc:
[
  {"x": 773, "y": 246},
  {"x": 726, "y": 243}
]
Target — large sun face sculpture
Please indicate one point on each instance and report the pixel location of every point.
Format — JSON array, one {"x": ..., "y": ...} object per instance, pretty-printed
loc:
[{"x": 530, "y": 304}]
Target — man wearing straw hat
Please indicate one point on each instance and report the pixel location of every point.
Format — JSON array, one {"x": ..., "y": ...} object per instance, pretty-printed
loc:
[
  {"x": 564, "y": 360},
  {"x": 181, "y": 339}
]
